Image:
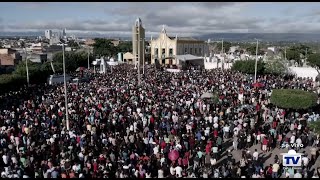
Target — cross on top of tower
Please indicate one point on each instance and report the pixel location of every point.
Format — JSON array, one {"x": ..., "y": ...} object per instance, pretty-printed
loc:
[
  {"x": 138, "y": 22},
  {"x": 163, "y": 29}
]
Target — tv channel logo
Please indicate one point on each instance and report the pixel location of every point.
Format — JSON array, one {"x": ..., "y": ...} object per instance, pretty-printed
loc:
[{"x": 292, "y": 159}]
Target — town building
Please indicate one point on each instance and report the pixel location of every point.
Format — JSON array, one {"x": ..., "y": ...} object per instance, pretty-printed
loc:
[
  {"x": 9, "y": 58},
  {"x": 128, "y": 57},
  {"x": 165, "y": 49},
  {"x": 48, "y": 34},
  {"x": 64, "y": 33}
]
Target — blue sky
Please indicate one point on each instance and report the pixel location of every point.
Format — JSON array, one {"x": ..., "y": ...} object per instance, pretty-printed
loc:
[{"x": 179, "y": 18}]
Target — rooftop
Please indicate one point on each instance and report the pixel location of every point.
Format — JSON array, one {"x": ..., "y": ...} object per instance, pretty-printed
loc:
[{"x": 184, "y": 38}]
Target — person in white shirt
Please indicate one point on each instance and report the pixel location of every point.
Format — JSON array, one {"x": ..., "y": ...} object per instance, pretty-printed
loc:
[
  {"x": 156, "y": 150},
  {"x": 291, "y": 127},
  {"x": 160, "y": 173},
  {"x": 298, "y": 143},
  {"x": 148, "y": 175},
  {"x": 215, "y": 125},
  {"x": 235, "y": 131},
  {"x": 258, "y": 139},
  {"x": 255, "y": 155},
  {"x": 14, "y": 160},
  {"x": 275, "y": 169},
  {"x": 249, "y": 140},
  {"x": 292, "y": 139},
  {"x": 5, "y": 159},
  {"x": 226, "y": 130},
  {"x": 299, "y": 127},
  {"x": 178, "y": 170},
  {"x": 210, "y": 118},
  {"x": 213, "y": 161},
  {"x": 172, "y": 170},
  {"x": 305, "y": 161},
  {"x": 207, "y": 131},
  {"x": 188, "y": 127},
  {"x": 256, "y": 175},
  {"x": 215, "y": 119}
]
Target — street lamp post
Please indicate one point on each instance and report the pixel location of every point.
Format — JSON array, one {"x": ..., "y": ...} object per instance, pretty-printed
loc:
[
  {"x": 256, "y": 64},
  {"x": 139, "y": 75},
  {"x": 88, "y": 58},
  {"x": 65, "y": 87},
  {"x": 143, "y": 55},
  {"x": 222, "y": 53},
  {"x": 27, "y": 69}
]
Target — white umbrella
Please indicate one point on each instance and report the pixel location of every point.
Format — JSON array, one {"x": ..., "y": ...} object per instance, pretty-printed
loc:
[{"x": 207, "y": 95}]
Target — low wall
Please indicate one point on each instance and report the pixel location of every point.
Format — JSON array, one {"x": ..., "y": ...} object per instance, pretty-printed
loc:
[
  {"x": 173, "y": 70},
  {"x": 214, "y": 65},
  {"x": 304, "y": 72}
]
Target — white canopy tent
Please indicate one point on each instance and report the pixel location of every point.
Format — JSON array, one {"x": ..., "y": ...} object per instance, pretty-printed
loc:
[
  {"x": 304, "y": 72},
  {"x": 190, "y": 59}
]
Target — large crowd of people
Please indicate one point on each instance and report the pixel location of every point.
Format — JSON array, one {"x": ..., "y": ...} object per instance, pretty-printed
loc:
[{"x": 160, "y": 128}]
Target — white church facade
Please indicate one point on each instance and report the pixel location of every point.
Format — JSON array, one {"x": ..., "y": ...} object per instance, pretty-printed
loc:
[{"x": 165, "y": 49}]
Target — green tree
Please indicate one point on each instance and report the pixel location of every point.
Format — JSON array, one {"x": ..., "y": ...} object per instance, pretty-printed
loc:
[
  {"x": 11, "y": 82},
  {"x": 314, "y": 61},
  {"x": 32, "y": 68},
  {"x": 104, "y": 47},
  {"x": 73, "y": 60},
  {"x": 275, "y": 67},
  {"x": 125, "y": 46},
  {"x": 293, "y": 99},
  {"x": 73, "y": 44},
  {"x": 304, "y": 49},
  {"x": 36, "y": 72},
  {"x": 248, "y": 66},
  {"x": 252, "y": 50},
  {"x": 226, "y": 46},
  {"x": 315, "y": 126},
  {"x": 46, "y": 67},
  {"x": 293, "y": 54}
]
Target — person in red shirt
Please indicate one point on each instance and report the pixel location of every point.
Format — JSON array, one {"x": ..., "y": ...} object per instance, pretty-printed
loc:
[
  {"x": 274, "y": 124},
  {"x": 208, "y": 148},
  {"x": 215, "y": 133},
  {"x": 152, "y": 120},
  {"x": 95, "y": 166},
  {"x": 265, "y": 144}
]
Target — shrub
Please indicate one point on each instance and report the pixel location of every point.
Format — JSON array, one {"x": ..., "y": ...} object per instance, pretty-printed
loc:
[
  {"x": 293, "y": 98},
  {"x": 315, "y": 126},
  {"x": 276, "y": 67},
  {"x": 248, "y": 66},
  {"x": 11, "y": 82}
]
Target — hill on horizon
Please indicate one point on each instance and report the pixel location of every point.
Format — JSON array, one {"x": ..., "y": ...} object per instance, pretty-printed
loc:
[
  {"x": 274, "y": 37},
  {"x": 235, "y": 37}
]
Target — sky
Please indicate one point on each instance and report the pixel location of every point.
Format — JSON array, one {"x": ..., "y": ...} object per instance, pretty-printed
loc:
[{"x": 179, "y": 18}]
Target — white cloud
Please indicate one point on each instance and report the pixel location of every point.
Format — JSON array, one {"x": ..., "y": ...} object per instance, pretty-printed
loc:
[{"x": 180, "y": 18}]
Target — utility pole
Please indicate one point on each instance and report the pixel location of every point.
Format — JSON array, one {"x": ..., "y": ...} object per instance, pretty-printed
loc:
[
  {"x": 306, "y": 53},
  {"x": 222, "y": 55},
  {"x": 143, "y": 55},
  {"x": 27, "y": 69},
  {"x": 65, "y": 87},
  {"x": 256, "y": 64},
  {"x": 88, "y": 58},
  {"x": 285, "y": 53},
  {"x": 139, "y": 59}
]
